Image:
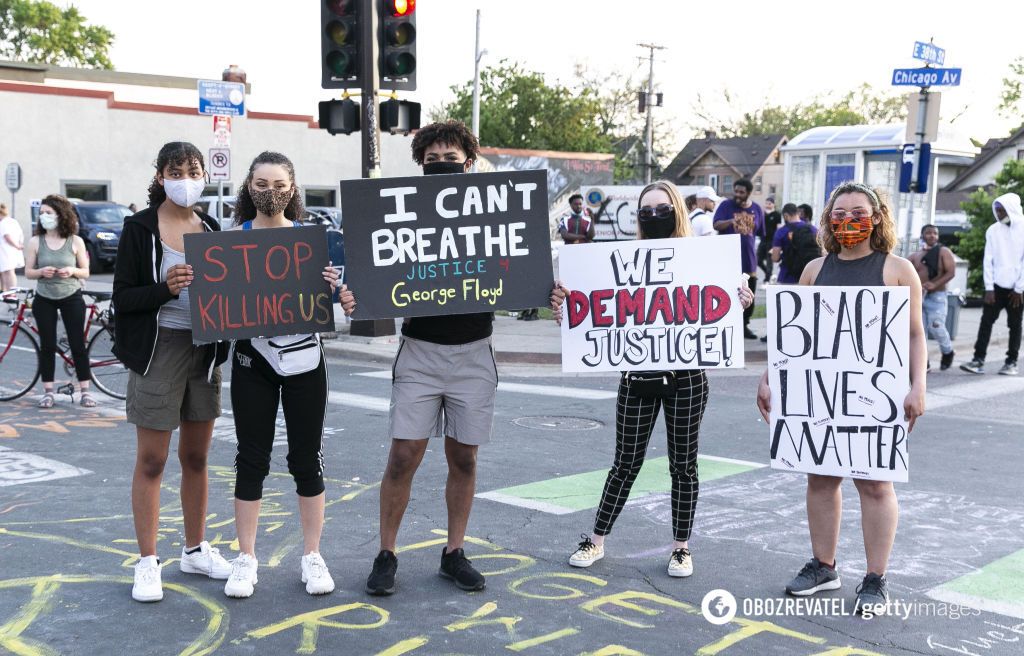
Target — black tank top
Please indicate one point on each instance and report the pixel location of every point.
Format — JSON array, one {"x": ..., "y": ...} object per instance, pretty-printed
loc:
[{"x": 866, "y": 271}]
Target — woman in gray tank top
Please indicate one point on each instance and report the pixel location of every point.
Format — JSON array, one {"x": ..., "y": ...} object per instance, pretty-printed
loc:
[
  {"x": 858, "y": 233},
  {"x": 57, "y": 258}
]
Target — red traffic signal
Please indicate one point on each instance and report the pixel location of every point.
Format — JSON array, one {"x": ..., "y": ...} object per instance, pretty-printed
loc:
[
  {"x": 339, "y": 44},
  {"x": 396, "y": 38}
]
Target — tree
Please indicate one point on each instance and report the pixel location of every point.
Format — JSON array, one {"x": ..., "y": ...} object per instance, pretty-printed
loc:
[
  {"x": 40, "y": 31},
  {"x": 860, "y": 106},
  {"x": 1010, "y": 105},
  {"x": 979, "y": 213}
]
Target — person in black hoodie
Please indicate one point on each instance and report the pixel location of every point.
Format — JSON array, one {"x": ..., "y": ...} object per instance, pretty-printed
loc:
[{"x": 172, "y": 383}]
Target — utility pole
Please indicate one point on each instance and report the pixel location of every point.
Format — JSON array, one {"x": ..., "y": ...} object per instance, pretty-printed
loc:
[
  {"x": 479, "y": 54},
  {"x": 649, "y": 130}
]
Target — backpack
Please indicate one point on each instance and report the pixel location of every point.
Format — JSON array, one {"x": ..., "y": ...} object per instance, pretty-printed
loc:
[{"x": 803, "y": 247}]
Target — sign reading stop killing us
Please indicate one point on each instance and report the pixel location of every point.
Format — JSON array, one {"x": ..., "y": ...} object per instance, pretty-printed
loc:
[
  {"x": 447, "y": 244},
  {"x": 838, "y": 367},
  {"x": 652, "y": 304},
  {"x": 258, "y": 283}
]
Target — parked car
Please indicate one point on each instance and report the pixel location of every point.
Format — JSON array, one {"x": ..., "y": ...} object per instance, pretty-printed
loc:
[
  {"x": 323, "y": 215},
  {"x": 225, "y": 215},
  {"x": 99, "y": 226}
]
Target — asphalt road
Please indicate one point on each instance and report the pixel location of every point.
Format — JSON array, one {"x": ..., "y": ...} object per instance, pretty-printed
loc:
[{"x": 67, "y": 541}]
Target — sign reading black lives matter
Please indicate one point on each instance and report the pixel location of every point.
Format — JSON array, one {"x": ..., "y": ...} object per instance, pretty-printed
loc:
[
  {"x": 655, "y": 304},
  {"x": 258, "y": 283},
  {"x": 839, "y": 373},
  {"x": 447, "y": 244}
]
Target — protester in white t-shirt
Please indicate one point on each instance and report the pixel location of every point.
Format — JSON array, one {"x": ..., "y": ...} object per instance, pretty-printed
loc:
[
  {"x": 702, "y": 218},
  {"x": 11, "y": 244}
]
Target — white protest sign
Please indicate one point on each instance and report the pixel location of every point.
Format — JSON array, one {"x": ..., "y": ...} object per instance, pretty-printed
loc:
[
  {"x": 839, "y": 370},
  {"x": 652, "y": 304}
]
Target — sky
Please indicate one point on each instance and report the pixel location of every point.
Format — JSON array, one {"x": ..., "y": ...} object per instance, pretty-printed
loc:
[{"x": 780, "y": 51}]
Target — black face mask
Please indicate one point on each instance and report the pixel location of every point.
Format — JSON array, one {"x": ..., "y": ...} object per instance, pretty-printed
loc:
[
  {"x": 440, "y": 168},
  {"x": 658, "y": 228}
]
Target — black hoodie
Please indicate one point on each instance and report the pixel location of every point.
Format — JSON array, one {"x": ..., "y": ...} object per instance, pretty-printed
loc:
[{"x": 139, "y": 294}]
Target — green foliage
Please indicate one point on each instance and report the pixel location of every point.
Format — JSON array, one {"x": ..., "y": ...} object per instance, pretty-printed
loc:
[
  {"x": 1010, "y": 105},
  {"x": 979, "y": 213},
  {"x": 41, "y": 32}
]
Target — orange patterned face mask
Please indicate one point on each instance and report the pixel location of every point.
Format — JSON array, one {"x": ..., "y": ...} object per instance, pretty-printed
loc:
[{"x": 851, "y": 228}]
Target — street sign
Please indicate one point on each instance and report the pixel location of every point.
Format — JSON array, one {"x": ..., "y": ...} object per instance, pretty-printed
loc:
[
  {"x": 929, "y": 52},
  {"x": 221, "y": 131},
  {"x": 926, "y": 77},
  {"x": 220, "y": 163},
  {"x": 13, "y": 177},
  {"x": 226, "y": 98},
  {"x": 923, "y": 168},
  {"x": 931, "y": 119}
]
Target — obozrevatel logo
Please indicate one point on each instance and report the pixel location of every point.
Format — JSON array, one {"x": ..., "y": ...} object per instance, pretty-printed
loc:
[{"x": 718, "y": 607}]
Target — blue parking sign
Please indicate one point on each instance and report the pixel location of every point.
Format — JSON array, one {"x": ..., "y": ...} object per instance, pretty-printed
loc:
[{"x": 221, "y": 98}]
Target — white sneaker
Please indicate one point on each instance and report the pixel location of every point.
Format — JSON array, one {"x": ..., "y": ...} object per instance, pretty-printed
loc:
[
  {"x": 243, "y": 577},
  {"x": 587, "y": 553},
  {"x": 315, "y": 575},
  {"x": 206, "y": 561},
  {"x": 147, "y": 580},
  {"x": 680, "y": 564}
]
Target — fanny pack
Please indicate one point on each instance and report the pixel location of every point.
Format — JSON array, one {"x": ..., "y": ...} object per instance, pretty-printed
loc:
[
  {"x": 651, "y": 383},
  {"x": 289, "y": 355}
]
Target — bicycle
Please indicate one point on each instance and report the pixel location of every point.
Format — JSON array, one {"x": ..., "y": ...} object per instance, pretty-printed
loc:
[{"x": 19, "y": 347}]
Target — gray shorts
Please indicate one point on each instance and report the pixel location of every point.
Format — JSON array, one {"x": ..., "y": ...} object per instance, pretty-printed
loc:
[
  {"x": 440, "y": 390},
  {"x": 175, "y": 389}
]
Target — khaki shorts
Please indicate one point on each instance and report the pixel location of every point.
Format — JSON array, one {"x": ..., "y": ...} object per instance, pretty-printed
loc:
[
  {"x": 176, "y": 388},
  {"x": 441, "y": 390}
]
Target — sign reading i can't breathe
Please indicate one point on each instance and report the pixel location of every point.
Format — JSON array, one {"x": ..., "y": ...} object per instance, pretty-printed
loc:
[
  {"x": 838, "y": 367},
  {"x": 653, "y": 304},
  {"x": 447, "y": 244},
  {"x": 258, "y": 283}
]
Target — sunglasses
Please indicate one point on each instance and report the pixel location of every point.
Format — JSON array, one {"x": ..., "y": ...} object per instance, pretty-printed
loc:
[
  {"x": 662, "y": 211},
  {"x": 858, "y": 214}
]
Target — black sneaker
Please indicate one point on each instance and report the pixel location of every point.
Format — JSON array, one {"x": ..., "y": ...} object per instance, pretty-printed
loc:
[
  {"x": 975, "y": 366},
  {"x": 814, "y": 577},
  {"x": 456, "y": 567},
  {"x": 382, "y": 579},
  {"x": 947, "y": 361},
  {"x": 872, "y": 595},
  {"x": 749, "y": 334}
]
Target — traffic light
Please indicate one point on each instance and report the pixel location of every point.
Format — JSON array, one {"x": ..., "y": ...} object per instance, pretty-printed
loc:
[
  {"x": 339, "y": 116},
  {"x": 399, "y": 116},
  {"x": 339, "y": 44},
  {"x": 396, "y": 36}
]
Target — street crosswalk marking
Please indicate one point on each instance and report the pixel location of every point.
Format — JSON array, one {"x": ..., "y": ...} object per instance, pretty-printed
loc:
[
  {"x": 975, "y": 390},
  {"x": 364, "y": 401},
  {"x": 581, "y": 393}
]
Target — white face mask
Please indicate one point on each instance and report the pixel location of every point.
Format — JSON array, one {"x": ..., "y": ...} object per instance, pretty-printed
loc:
[
  {"x": 48, "y": 221},
  {"x": 184, "y": 193}
]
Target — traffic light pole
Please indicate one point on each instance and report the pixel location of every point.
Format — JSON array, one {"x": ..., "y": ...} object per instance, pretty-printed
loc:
[
  {"x": 919, "y": 134},
  {"x": 649, "y": 129}
]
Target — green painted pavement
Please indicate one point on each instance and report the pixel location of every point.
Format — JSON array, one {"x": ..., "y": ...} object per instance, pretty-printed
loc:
[{"x": 997, "y": 587}]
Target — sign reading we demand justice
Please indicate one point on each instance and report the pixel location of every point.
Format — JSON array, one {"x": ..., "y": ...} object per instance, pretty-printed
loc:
[
  {"x": 447, "y": 244},
  {"x": 838, "y": 367},
  {"x": 653, "y": 304},
  {"x": 258, "y": 283}
]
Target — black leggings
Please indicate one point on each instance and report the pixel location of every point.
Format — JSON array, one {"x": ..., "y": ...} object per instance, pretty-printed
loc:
[
  {"x": 72, "y": 312},
  {"x": 256, "y": 390},
  {"x": 634, "y": 421}
]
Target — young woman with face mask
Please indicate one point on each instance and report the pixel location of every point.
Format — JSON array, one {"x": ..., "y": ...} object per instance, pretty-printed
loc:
[
  {"x": 661, "y": 214},
  {"x": 172, "y": 383},
  {"x": 269, "y": 198},
  {"x": 858, "y": 233},
  {"x": 57, "y": 258}
]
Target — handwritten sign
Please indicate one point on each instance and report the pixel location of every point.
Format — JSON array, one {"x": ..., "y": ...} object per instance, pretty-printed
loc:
[
  {"x": 838, "y": 369},
  {"x": 447, "y": 244},
  {"x": 258, "y": 283},
  {"x": 654, "y": 304}
]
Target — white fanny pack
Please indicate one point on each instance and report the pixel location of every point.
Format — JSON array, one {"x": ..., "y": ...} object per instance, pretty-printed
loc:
[{"x": 289, "y": 354}]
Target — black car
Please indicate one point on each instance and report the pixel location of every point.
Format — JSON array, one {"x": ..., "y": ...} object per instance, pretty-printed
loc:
[{"x": 99, "y": 226}]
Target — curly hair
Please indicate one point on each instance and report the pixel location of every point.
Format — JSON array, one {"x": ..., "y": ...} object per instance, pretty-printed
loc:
[
  {"x": 175, "y": 153},
  {"x": 67, "y": 217},
  {"x": 245, "y": 209},
  {"x": 883, "y": 236},
  {"x": 451, "y": 133},
  {"x": 683, "y": 227}
]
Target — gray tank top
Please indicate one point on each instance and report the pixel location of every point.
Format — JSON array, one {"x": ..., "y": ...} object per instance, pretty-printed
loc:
[
  {"x": 865, "y": 271},
  {"x": 56, "y": 288},
  {"x": 176, "y": 312}
]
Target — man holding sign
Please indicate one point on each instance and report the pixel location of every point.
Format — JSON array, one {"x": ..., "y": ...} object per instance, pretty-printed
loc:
[
  {"x": 840, "y": 363},
  {"x": 443, "y": 253}
]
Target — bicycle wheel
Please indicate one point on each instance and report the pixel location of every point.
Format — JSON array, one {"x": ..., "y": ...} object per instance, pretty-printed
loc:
[
  {"x": 106, "y": 371},
  {"x": 19, "y": 361}
]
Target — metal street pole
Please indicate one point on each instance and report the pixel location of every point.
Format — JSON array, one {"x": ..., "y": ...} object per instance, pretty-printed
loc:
[
  {"x": 649, "y": 129},
  {"x": 919, "y": 134},
  {"x": 476, "y": 79}
]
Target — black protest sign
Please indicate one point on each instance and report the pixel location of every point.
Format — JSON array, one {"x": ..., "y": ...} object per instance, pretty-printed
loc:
[
  {"x": 258, "y": 283},
  {"x": 447, "y": 244}
]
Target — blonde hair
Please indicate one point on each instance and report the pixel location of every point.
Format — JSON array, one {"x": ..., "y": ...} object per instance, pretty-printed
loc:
[
  {"x": 883, "y": 236},
  {"x": 683, "y": 227},
  {"x": 3, "y": 209}
]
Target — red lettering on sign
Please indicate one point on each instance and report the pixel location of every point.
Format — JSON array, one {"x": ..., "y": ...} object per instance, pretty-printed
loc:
[
  {"x": 287, "y": 262},
  {"x": 687, "y": 304},
  {"x": 579, "y": 308},
  {"x": 299, "y": 259},
  {"x": 716, "y": 303},
  {"x": 598, "y": 309},
  {"x": 227, "y": 315},
  {"x": 204, "y": 313},
  {"x": 245, "y": 314},
  {"x": 630, "y": 304},
  {"x": 269, "y": 310},
  {"x": 660, "y": 303},
  {"x": 213, "y": 260},
  {"x": 284, "y": 313},
  {"x": 245, "y": 257}
]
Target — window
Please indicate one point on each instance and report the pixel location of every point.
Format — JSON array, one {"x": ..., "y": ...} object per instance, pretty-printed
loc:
[
  {"x": 757, "y": 184},
  {"x": 726, "y": 189},
  {"x": 773, "y": 190},
  {"x": 86, "y": 189},
  {"x": 700, "y": 180},
  {"x": 211, "y": 189},
  {"x": 882, "y": 172},
  {"x": 839, "y": 168},
  {"x": 713, "y": 182},
  {"x": 321, "y": 197},
  {"x": 1020, "y": 154},
  {"x": 803, "y": 173}
]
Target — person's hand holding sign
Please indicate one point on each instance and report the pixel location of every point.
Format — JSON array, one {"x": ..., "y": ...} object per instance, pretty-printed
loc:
[
  {"x": 746, "y": 296},
  {"x": 913, "y": 406},
  {"x": 179, "y": 276},
  {"x": 764, "y": 396},
  {"x": 348, "y": 301},
  {"x": 331, "y": 276},
  {"x": 558, "y": 294}
]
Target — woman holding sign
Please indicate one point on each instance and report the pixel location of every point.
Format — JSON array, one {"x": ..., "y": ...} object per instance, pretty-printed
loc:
[
  {"x": 859, "y": 235},
  {"x": 267, "y": 372},
  {"x": 172, "y": 383},
  {"x": 684, "y": 396}
]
